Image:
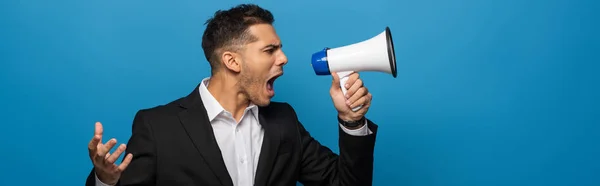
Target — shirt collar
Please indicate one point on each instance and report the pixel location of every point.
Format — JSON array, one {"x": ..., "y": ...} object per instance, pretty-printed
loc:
[{"x": 213, "y": 107}]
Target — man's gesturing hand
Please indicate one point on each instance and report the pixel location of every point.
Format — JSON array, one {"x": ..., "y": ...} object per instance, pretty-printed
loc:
[{"x": 104, "y": 162}]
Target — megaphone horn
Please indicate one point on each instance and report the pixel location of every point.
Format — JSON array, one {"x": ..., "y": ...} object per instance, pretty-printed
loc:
[{"x": 374, "y": 54}]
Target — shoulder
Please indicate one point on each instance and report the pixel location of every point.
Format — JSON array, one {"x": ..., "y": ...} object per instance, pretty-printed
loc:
[{"x": 166, "y": 110}]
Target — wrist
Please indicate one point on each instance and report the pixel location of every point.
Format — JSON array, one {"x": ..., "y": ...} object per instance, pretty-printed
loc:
[
  {"x": 351, "y": 122},
  {"x": 105, "y": 178},
  {"x": 350, "y": 118}
]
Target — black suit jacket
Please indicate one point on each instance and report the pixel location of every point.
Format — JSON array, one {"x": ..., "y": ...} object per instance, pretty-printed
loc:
[{"x": 173, "y": 145}]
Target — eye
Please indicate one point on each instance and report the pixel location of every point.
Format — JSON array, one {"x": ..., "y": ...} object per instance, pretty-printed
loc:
[{"x": 270, "y": 51}]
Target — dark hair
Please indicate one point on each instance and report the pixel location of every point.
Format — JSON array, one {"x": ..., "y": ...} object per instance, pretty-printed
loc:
[{"x": 228, "y": 30}]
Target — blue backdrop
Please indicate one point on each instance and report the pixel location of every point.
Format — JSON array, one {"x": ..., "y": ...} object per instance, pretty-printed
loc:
[{"x": 488, "y": 93}]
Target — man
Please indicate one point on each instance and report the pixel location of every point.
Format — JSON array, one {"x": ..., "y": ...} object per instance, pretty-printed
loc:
[{"x": 228, "y": 132}]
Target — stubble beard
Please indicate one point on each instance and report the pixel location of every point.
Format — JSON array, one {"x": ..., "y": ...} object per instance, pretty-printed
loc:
[{"x": 252, "y": 87}]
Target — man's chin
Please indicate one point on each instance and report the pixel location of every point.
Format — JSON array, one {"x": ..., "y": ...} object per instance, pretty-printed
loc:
[{"x": 263, "y": 103}]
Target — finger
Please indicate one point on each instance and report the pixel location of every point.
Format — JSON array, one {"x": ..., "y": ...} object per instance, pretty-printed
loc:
[
  {"x": 369, "y": 99},
  {"x": 351, "y": 79},
  {"x": 361, "y": 92},
  {"x": 93, "y": 145},
  {"x": 366, "y": 105},
  {"x": 357, "y": 84},
  {"x": 101, "y": 153},
  {"x": 99, "y": 130},
  {"x": 336, "y": 79},
  {"x": 116, "y": 154},
  {"x": 125, "y": 162},
  {"x": 360, "y": 101},
  {"x": 335, "y": 83}
]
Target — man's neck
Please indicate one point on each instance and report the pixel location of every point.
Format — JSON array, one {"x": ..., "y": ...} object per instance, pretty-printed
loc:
[{"x": 225, "y": 90}]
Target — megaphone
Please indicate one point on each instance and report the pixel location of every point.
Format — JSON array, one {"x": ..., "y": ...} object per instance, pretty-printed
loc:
[{"x": 374, "y": 54}]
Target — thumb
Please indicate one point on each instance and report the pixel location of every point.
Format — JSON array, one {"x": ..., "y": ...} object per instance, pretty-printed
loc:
[{"x": 336, "y": 81}]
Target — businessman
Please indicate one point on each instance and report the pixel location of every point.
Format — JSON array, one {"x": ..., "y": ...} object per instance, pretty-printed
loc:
[{"x": 228, "y": 132}]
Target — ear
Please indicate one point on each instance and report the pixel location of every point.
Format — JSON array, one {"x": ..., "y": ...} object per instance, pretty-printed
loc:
[{"x": 232, "y": 61}]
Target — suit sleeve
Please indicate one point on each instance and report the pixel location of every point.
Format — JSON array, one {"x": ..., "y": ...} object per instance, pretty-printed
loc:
[
  {"x": 141, "y": 170},
  {"x": 353, "y": 166}
]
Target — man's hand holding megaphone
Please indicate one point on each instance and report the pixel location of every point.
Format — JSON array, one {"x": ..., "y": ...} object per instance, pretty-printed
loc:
[
  {"x": 357, "y": 94},
  {"x": 343, "y": 63}
]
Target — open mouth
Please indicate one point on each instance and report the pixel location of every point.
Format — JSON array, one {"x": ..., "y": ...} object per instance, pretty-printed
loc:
[{"x": 270, "y": 84}]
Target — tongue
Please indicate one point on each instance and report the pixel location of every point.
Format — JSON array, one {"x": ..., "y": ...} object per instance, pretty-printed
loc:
[{"x": 269, "y": 86}]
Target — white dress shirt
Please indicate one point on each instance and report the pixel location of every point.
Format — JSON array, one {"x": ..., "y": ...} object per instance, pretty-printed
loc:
[{"x": 240, "y": 142}]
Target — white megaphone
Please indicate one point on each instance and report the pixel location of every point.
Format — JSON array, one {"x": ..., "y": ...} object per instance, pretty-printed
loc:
[{"x": 375, "y": 54}]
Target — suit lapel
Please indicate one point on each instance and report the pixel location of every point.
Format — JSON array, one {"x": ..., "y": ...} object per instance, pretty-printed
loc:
[
  {"x": 268, "y": 154},
  {"x": 195, "y": 121}
]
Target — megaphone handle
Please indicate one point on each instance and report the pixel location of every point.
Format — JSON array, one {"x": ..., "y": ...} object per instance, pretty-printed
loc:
[{"x": 343, "y": 78}]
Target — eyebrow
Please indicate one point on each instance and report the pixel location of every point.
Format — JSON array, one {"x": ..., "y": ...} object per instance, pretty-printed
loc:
[{"x": 272, "y": 46}]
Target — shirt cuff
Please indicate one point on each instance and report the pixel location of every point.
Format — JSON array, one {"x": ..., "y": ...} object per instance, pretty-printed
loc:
[
  {"x": 99, "y": 183},
  {"x": 362, "y": 131}
]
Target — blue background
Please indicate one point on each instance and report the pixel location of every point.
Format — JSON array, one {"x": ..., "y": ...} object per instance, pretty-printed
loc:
[{"x": 488, "y": 93}]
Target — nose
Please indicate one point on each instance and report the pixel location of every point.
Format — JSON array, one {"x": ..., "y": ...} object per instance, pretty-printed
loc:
[{"x": 281, "y": 59}]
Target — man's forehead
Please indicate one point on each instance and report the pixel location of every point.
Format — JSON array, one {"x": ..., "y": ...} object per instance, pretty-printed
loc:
[{"x": 265, "y": 34}]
